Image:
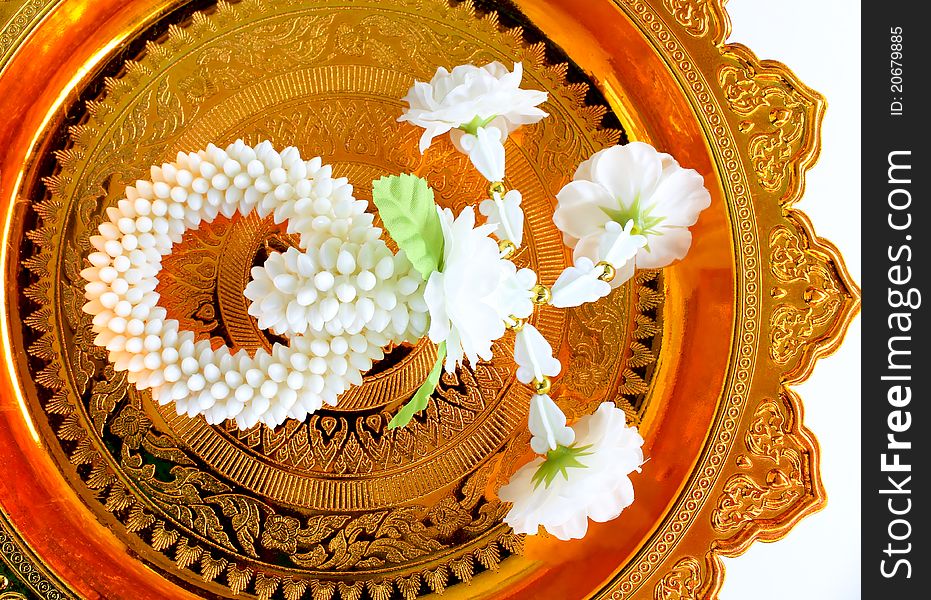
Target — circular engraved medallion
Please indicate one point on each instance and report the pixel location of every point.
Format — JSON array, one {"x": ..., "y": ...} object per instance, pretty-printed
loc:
[{"x": 337, "y": 501}]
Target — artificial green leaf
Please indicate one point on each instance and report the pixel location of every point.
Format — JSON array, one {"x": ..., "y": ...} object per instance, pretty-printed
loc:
[
  {"x": 644, "y": 224},
  {"x": 558, "y": 462},
  {"x": 405, "y": 204},
  {"x": 419, "y": 401},
  {"x": 476, "y": 122}
]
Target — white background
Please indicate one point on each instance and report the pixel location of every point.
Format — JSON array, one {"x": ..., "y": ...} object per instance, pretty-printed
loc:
[{"x": 820, "y": 559}]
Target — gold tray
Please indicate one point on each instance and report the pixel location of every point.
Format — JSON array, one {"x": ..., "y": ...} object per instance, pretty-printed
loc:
[{"x": 107, "y": 495}]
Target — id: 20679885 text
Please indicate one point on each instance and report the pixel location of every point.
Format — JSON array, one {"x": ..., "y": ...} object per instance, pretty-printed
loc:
[{"x": 896, "y": 77}]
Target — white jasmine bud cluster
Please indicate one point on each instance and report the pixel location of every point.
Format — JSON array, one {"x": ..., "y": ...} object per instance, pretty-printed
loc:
[
  {"x": 343, "y": 287},
  {"x": 341, "y": 301}
]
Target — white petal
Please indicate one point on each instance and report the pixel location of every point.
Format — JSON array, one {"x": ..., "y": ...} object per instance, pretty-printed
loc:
[
  {"x": 514, "y": 215},
  {"x": 589, "y": 247},
  {"x": 533, "y": 355},
  {"x": 515, "y": 292},
  {"x": 486, "y": 151},
  {"x": 547, "y": 424},
  {"x": 617, "y": 245},
  {"x": 628, "y": 172},
  {"x": 436, "y": 304},
  {"x": 662, "y": 250},
  {"x": 581, "y": 209},
  {"x": 506, "y": 215},
  {"x": 578, "y": 284},
  {"x": 679, "y": 197},
  {"x": 618, "y": 248}
]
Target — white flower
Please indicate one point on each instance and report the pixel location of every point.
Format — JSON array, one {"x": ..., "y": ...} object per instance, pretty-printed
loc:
[
  {"x": 479, "y": 105},
  {"x": 485, "y": 148},
  {"x": 533, "y": 355},
  {"x": 547, "y": 425},
  {"x": 632, "y": 183},
  {"x": 515, "y": 292},
  {"x": 506, "y": 215},
  {"x": 587, "y": 480},
  {"x": 470, "y": 299},
  {"x": 618, "y": 246},
  {"x": 470, "y": 97},
  {"x": 580, "y": 283}
]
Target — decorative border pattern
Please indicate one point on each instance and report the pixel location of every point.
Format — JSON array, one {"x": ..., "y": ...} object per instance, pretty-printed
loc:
[
  {"x": 773, "y": 120},
  {"x": 17, "y": 18},
  {"x": 765, "y": 125},
  {"x": 27, "y": 568}
]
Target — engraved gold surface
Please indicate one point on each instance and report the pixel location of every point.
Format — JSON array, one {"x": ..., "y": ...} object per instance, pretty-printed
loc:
[{"x": 338, "y": 506}]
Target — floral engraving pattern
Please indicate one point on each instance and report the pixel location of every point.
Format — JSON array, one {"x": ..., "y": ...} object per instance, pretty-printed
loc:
[
  {"x": 683, "y": 582},
  {"x": 694, "y": 15},
  {"x": 778, "y": 114},
  {"x": 809, "y": 292},
  {"x": 772, "y": 438}
]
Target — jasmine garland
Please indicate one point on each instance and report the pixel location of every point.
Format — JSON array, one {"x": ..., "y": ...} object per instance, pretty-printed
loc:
[{"x": 343, "y": 295}]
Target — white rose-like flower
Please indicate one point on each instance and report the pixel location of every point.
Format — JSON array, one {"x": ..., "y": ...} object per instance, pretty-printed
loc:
[
  {"x": 475, "y": 292},
  {"x": 470, "y": 97},
  {"x": 480, "y": 106},
  {"x": 632, "y": 183},
  {"x": 587, "y": 480}
]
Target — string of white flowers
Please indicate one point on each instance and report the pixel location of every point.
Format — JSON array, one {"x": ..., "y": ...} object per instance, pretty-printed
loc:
[
  {"x": 627, "y": 207},
  {"x": 341, "y": 301}
]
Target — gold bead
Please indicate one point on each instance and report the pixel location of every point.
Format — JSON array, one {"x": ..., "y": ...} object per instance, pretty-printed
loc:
[
  {"x": 506, "y": 248},
  {"x": 541, "y": 294},
  {"x": 516, "y": 323},
  {"x": 541, "y": 386},
  {"x": 496, "y": 187},
  {"x": 607, "y": 271}
]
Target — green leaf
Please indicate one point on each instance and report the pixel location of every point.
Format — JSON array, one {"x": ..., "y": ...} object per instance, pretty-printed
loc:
[
  {"x": 419, "y": 401},
  {"x": 644, "y": 224},
  {"x": 558, "y": 462},
  {"x": 476, "y": 122},
  {"x": 405, "y": 203}
]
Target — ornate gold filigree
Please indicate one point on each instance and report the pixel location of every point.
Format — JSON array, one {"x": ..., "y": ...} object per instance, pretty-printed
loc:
[
  {"x": 810, "y": 295},
  {"x": 772, "y": 440},
  {"x": 683, "y": 582},
  {"x": 196, "y": 494},
  {"x": 17, "y": 17},
  {"x": 778, "y": 116},
  {"x": 26, "y": 570},
  {"x": 773, "y": 120},
  {"x": 184, "y": 515},
  {"x": 696, "y": 16}
]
